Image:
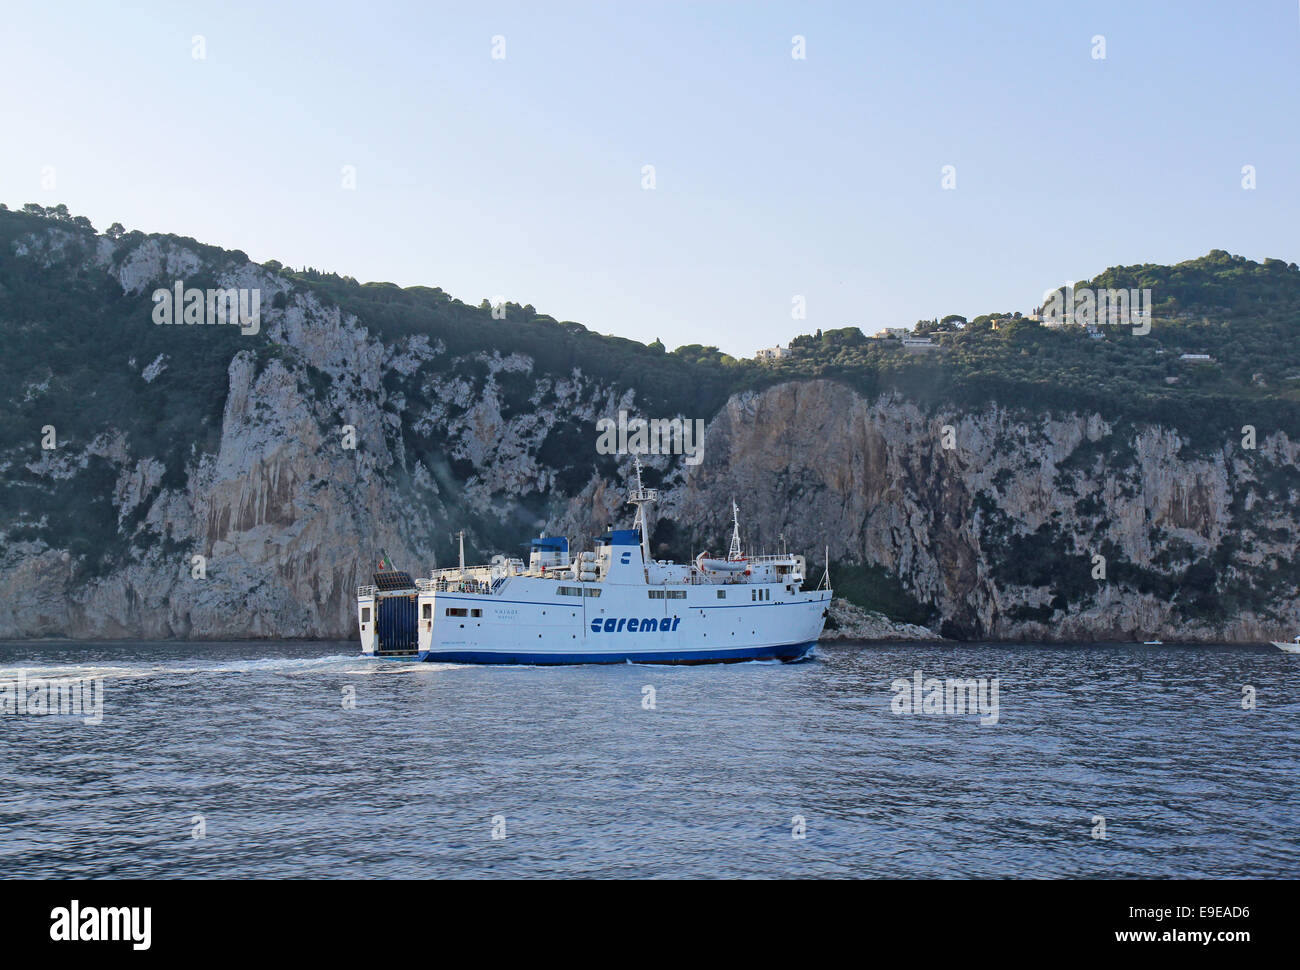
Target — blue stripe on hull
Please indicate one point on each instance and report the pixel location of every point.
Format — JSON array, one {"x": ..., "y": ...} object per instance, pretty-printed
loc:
[{"x": 790, "y": 651}]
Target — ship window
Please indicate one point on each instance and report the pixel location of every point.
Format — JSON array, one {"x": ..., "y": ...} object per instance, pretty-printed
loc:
[
  {"x": 475, "y": 612},
  {"x": 591, "y": 592},
  {"x": 456, "y": 612},
  {"x": 677, "y": 594},
  {"x": 428, "y": 611},
  {"x": 753, "y": 595},
  {"x": 656, "y": 594},
  {"x": 722, "y": 594},
  {"x": 365, "y": 614},
  {"x": 570, "y": 590}
]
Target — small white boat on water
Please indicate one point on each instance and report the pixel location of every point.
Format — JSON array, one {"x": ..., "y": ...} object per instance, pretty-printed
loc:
[{"x": 1292, "y": 647}]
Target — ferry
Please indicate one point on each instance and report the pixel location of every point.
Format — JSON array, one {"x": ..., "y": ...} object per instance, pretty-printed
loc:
[{"x": 612, "y": 604}]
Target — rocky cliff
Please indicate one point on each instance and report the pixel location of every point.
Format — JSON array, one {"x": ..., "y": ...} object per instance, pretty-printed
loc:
[
  {"x": 289, "y": 459},
  {"x": 999, "y": 531}
]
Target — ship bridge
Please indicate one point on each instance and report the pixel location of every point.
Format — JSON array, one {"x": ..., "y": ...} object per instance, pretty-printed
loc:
[{"x": 620, "y": 557}]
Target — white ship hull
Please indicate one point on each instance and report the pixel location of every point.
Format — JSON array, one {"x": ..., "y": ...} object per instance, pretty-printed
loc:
[{"x": 530, "y": 624}]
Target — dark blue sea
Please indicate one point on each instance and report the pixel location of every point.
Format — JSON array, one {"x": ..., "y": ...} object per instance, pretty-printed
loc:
[{"x": 303, "y": 760}]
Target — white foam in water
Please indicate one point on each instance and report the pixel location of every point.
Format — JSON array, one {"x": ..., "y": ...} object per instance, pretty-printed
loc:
[
  {"x": 77, "y": 670},
  {"x": 337, "y": 664},
  {"x": 272, "y": 664}
]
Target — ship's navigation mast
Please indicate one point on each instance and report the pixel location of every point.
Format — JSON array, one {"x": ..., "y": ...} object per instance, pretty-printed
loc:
[
  {"x": 641, "y": 497},
  {"x": 735, "y": 552},
  {"x": 461, "y": 536}
]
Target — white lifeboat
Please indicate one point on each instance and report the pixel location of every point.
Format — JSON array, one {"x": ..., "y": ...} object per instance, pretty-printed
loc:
[{"x": 706, "y": 565}]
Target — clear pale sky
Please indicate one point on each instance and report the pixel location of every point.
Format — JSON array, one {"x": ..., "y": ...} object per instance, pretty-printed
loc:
[{"x": 522, "y": 177}]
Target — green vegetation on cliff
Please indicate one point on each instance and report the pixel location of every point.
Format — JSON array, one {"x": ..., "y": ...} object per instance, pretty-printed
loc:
[{"x": 1244, "y": 315}]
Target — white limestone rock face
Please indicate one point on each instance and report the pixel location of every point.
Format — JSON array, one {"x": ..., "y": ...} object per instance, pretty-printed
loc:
[
  {"x": 871, "y": 480},
  {"x": 156, "y": 263},
  {"x": 289, "y": 521}
]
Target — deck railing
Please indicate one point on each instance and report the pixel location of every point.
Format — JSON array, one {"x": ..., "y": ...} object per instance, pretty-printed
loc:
[
  {"x": 443, "y": 585},
  {"x": 452, "y": 580}
]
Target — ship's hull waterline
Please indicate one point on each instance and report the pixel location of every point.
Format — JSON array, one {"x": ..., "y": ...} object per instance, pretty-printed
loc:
[{"x": 791, "y": 653}]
